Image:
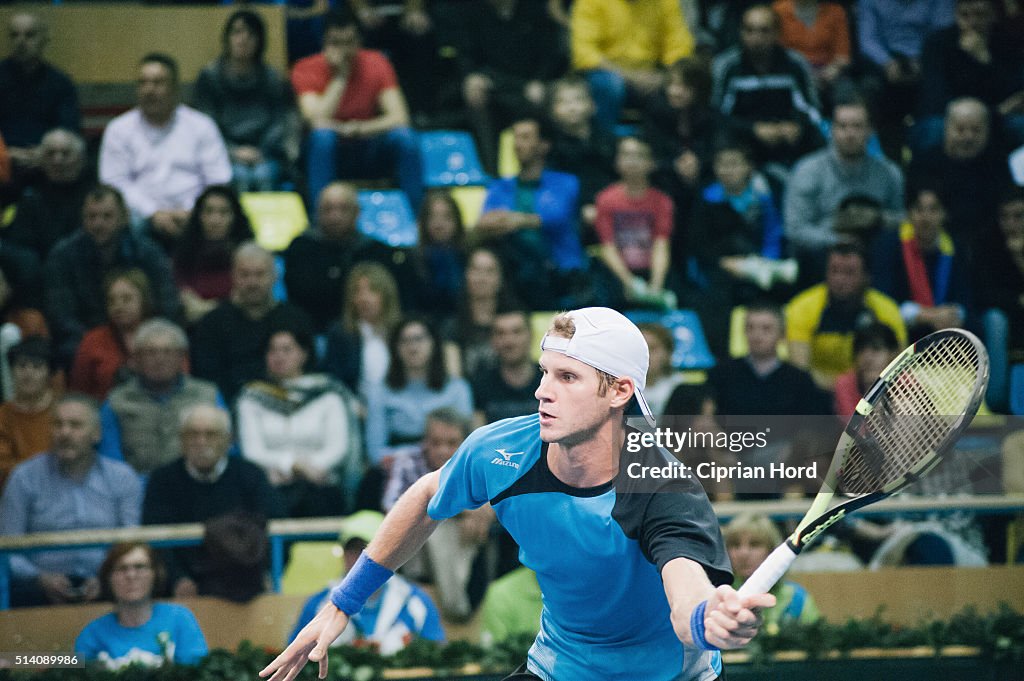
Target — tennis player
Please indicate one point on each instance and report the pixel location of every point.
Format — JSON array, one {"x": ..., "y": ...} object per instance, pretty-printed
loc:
[{"x": 635, "y": 581}]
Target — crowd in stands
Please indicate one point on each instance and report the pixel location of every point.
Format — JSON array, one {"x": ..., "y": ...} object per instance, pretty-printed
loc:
[{"x": 840, "y": 177}]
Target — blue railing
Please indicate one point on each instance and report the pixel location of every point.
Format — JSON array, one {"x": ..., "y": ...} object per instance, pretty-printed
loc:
[{"x": 282, "y": 532}]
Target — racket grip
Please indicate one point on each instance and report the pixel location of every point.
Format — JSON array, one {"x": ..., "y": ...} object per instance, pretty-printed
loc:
[{"x": 769, "y": 572}]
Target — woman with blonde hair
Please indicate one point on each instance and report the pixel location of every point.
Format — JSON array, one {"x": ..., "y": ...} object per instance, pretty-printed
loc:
[
  {"x": 357, "y": 344},
  {"x": 749, "y": 539}
]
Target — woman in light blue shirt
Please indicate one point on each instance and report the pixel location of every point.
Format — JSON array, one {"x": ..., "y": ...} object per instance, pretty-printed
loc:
[
  {"x": 417, "y": 382},
  {"x": 139, "y": 631}
]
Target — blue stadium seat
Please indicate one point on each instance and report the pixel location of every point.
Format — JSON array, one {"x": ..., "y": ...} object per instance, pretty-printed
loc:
[
  {"x": 691, "y": 347},
  {"x": 450, "y": 159},
  {"x": 1017, "y": 389},
  {"x": 387, "y": 216}
]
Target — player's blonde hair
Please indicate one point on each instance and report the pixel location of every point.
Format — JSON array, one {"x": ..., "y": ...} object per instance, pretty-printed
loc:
[{"x": 564, "y": 327}]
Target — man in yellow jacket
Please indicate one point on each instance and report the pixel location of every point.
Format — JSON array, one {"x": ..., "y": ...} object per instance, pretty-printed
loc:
[{"x": 622, "y": 47}]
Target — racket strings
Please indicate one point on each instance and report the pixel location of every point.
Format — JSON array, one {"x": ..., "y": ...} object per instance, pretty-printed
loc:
[{"x": 913, "y": 417}]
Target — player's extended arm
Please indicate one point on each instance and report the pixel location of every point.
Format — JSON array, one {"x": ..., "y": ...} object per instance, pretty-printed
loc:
[
  {"x": 706, "y": 617},
  {"x": 405, "y": 529}
]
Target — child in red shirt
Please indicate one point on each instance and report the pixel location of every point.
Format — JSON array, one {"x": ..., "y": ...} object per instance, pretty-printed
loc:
[{"x": 634, "y": 223}]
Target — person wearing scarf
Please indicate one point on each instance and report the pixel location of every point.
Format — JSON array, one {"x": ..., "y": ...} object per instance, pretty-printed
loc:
[{"x": 922, "y": 268}]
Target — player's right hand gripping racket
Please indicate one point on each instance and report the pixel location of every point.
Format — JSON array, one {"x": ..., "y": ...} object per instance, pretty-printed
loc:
[{"x": 902, "y": 428}]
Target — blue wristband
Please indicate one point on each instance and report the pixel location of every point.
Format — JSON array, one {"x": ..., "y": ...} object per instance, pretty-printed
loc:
[
  {"x": 697, "y": 627},
  {"x": 359, "y": 584}
]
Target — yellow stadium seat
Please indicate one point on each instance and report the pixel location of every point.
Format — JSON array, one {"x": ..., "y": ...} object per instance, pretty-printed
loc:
[
  {"x": 470, "y": 201},
  {"x": 539, "y": 323},
  {"x": 312, "y": 566},
  {"x": 508, "y": 164},
  {"x": 276, "y": 217}
]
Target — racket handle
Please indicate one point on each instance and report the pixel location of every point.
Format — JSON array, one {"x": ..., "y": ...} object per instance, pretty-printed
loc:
[{"x": 769, "y": 572}]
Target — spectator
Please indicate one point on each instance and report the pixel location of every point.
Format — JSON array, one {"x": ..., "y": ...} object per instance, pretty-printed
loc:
[
  {"x": 507, "y": 388},
  {"x": 581, "y": 146},
  {"x": 662, "y": 378},
  {"x": 445, "y": 430},
  {"x": 735, "y": 241},
  {"x": 52, "y": 209},
  {"x": 818, "y": 30},
  {"x": 821, "y": 320},
  {"x": 141, "y": 417},
  {"x": 227, "y": 342},
  {"x": 318, "y": 260},
  {"x": 1001, "y": 297},
  {"x": 447, "y": 557},
  {"x": 201, "y": 486},
  {"x": 749, "y": 539},
  {"x": 162, "y": 154},
  {"x": 301, "y": 429},
  {"x": 409, "y": 38},
  {"x": 351, "y": 99},
  {"x": 511, "y": 608},
  {"x": 823, "y": 179},
  {"x": 621, "y": 47},
  {"x": 768, "y": 90},
  {"x": 68, "y": 487},
  {"x": 874, "y": 347},
  {"x": 509, "y": 49},
  {"x": 483, "y": 297},
  {"x": 101, "y": 361},
  {"x": 761, "y": 383},
  {"x": 971, "y": 59},
  {"x": 394, "y": 615},
  {"x": 634, "y": 223},
  {"x": 921, "y": 268},
  {"x": 683, "y": 130},
  {"x": 79, "y": 265},
  {"x": 440, "y": 254},
  {"x": 139, "y": 631},
  {"x": 417, "y": 382},
  {"x": 972, "y": 168},
  {"x": 357, "y": 343},
  {"x": 252, "y": 105},
  {"x": 202, "y": 257},
  {"x": 16, "y": 314},
  {"x": 890, "y": 34},
  {"x": 532, "y": 221},
  {"x": 35, "y": 97},
  {"x": 26, "y": 420}
]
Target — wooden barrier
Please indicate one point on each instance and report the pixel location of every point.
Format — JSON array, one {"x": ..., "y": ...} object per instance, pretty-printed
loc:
[
  {"x": 908, "y": 594},
  {"x": 98, "y": 43}
]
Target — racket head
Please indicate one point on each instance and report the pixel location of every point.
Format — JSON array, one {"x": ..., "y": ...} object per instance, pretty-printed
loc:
[{"x": 904, "y": 425}]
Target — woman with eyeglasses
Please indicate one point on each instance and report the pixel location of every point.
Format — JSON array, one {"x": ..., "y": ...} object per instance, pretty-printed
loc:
[{"x": 139, "y": 631}]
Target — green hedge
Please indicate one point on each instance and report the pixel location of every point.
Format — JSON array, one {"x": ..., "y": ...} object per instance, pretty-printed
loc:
[{"x": 999, "y": 636}]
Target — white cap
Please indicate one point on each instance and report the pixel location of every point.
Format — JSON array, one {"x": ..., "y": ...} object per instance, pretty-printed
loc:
[{"x": 607, "y": 341}]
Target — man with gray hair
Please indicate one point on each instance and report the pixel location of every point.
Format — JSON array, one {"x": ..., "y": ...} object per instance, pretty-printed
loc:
[
  {"x": 203, "y": 484},
  {"x": 52, "y": 209},
  {"x": 68, "y": 487},
  {"x": 970, "y": 167},
  {"x": 227, "y": 345},
  {"x": 141, "y": 417},
  {"x": 34, "y": 96}
]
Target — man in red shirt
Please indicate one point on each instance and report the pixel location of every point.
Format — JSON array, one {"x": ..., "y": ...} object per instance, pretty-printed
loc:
[{"x": 359, "y": 120}]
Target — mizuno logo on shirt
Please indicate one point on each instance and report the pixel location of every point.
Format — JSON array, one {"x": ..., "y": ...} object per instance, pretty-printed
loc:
[{"x": 506, "y": 458}]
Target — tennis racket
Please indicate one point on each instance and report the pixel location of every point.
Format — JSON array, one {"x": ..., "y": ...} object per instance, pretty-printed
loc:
[{"x": 901, "y": 429}]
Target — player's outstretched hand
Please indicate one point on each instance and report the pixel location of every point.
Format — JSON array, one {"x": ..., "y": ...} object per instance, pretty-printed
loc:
[
  {"x": 731, "y": 621},
  {"x": 309, "y": 646}
]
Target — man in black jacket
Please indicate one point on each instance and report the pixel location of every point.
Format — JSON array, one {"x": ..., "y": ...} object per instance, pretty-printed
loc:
[
  {"x": 78, "y": 265},
  {"x": 205, "y": 483}
]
